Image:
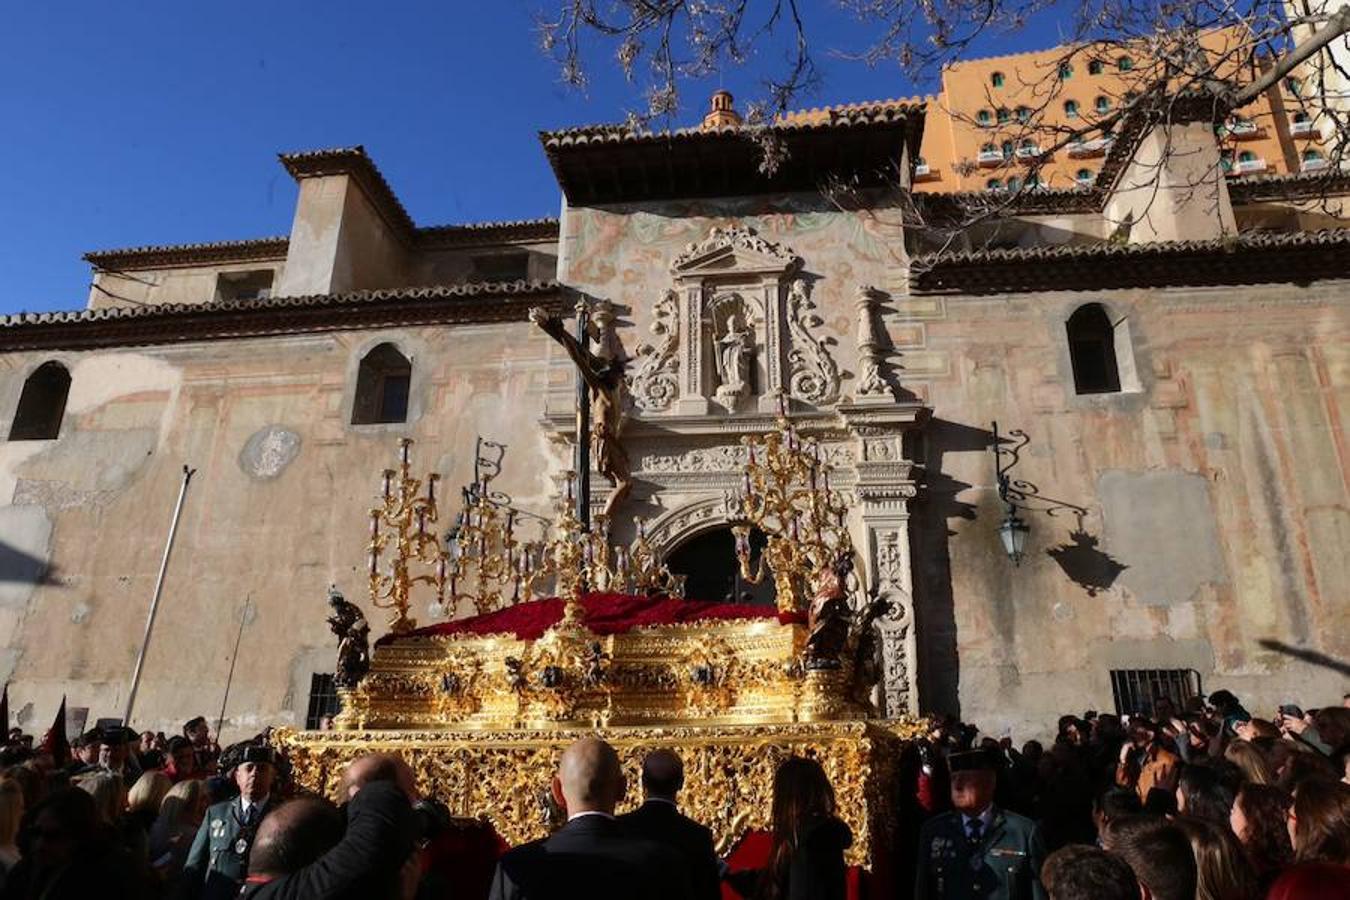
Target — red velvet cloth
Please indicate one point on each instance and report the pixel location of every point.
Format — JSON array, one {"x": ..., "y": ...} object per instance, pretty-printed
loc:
[
  {"x": 752, "y": 852},
  {"x": 605, "y": 614}
]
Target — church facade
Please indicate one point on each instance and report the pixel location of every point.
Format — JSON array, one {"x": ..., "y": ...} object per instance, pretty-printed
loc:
[{"x": 1170, "y": 400}]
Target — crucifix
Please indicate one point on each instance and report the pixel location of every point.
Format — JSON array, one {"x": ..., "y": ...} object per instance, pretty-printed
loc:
[{"x": 600, "y": 415}]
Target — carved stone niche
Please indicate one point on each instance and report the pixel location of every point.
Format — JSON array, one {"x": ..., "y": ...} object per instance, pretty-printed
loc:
[{"x": 735, "y": 331}]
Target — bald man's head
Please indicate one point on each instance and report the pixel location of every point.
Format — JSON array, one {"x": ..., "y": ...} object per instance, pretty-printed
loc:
[
  {"x": 378, "y": 767},
  {"x": 295, "y": 835},
  {"x": 589, "y": 778},
  {"x": 662, "y": 774}
]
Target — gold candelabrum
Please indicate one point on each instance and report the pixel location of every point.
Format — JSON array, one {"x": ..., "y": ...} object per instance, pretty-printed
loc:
[
  {"x": 406, "y": 520},
  {"x": 499, "y": 569},
  {"x": 785, "y": 493}
]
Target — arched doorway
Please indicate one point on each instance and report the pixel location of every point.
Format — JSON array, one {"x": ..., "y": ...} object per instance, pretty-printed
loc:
[{"x": 711, "y": 572}]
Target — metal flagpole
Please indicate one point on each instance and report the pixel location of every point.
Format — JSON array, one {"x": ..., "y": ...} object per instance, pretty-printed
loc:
[
  {"x": 583, "y": 444},
  {"x": 229, "y": 679},
  {"x": 159, "y": 590}
]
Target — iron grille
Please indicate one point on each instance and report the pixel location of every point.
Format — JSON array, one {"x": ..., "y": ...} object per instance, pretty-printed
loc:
[
  {"x": 323, "y": 699},
  {"x": 1137, "y": 690}
]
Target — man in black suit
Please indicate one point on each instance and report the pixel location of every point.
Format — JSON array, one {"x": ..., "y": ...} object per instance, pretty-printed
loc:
[
  {"x": 659, "y": 819},
  {"x": 592, "y": 856}
]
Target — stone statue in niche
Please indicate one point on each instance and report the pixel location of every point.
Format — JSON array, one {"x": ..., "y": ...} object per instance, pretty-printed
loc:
[{"x": 734, "y": 347}]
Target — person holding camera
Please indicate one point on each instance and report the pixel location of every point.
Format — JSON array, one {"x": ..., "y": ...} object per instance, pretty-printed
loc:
[
  {"x": 218, "y": 860},
  {"x": 308, "y": 848}
]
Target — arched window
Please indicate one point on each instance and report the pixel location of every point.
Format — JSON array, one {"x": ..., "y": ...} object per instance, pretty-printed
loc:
[
  {"x": 1246, "y": 156},
  {"x": 42, "y": 404},
  {"x": 1007, "y": 148},
  {"x": 1092, "y": 351},
  {"x": 984, "y": 117},
  {"x": 1033, "y": 181},
  {"x": 382, "y": 383},
  {"x": 988, "y": 148},
  {"x": 1003, "y": 114},
  {"x": 1102, "y": 105},
  {"x": 993, "y": 184},
  {"x": 1226, "y": 160},
  {"x": 1065, "y": 71},
  {"x": 996, "y": 79},
  {"x": 1083, "y": 177},
  {"x": 1300, "y": 117},
  {"x": 1095, "y": 67},
  {"x": 1023, "y": 114},
  {"x": 1071, "y": 109},
  {"x": 1125, "y": 64},
  {"x": 1311, "y": 155},
  {"x": 1293, "y": 85},
  {"x": 1014, "y": 183}
]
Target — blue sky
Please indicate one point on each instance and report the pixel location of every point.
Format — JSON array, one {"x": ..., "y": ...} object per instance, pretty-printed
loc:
[{"x": 130, "y": 123}]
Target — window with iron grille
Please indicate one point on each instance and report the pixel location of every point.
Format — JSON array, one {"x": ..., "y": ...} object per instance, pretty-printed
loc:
[
  {"x": 1137, "y": 691},
  {"x": 323, "y": 699}
]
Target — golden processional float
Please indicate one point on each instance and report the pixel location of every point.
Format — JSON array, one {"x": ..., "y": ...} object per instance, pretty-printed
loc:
[{"x": 570, "y": 635}]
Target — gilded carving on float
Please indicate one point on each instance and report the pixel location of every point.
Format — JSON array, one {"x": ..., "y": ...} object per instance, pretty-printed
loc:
[
  {"x": 728, "y": 770},
  {"x": 482, "y": 706}
]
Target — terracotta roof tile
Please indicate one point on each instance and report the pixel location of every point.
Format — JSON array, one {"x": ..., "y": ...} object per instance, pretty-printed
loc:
[
  {"x": 840, "y": 117},
  {"x": 176, "y": 322},
  {"x": 189, "y": 254},
  {"x": 1253, "y": 258}
]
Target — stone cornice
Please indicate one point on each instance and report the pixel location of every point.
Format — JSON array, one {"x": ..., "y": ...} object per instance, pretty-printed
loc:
[{"x": 179, "y": 323}]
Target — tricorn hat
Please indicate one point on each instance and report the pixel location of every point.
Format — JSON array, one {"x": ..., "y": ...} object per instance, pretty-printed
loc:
[
  {"x": 115, "y": 735},
  {"x": 971, "y": 761},
  {"x": 248, "y": 751}
]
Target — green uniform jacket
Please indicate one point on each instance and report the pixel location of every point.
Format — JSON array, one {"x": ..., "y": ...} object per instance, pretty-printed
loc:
[
  {"x": 215, "y": 869},
  {"x": 1005, "y": 865}
]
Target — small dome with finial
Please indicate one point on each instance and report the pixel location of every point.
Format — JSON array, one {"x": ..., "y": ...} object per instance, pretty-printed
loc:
[{"x": 723, "y": 113}]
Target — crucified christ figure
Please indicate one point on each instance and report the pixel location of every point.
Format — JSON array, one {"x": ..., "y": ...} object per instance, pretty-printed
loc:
[{"x": 604, "y": 379}]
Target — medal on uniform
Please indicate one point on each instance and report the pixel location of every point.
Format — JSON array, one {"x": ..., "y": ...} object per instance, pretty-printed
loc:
[{"x": 241, "y": 846}]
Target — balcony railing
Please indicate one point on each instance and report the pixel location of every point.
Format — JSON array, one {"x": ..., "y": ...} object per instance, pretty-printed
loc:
[
  {"x": 990, "y": 157},
  {"x": 1314, "y": 165},
  {"x": 1302, "y": 129},
  {"x": 921, "y": 169},
  {"x": 1028, "y": 152},
  {"x": 1094, "y": 147},
  {"x": 1248, "y": 166}
]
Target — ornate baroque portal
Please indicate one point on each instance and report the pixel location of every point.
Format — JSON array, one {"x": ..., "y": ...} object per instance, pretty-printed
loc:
[{"x": 733, "y": 334}]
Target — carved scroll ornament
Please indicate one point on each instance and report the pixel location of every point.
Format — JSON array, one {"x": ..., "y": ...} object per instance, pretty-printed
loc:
[
  {"x": 657, "y": 381},
  {"x": 813, "y": 375}
]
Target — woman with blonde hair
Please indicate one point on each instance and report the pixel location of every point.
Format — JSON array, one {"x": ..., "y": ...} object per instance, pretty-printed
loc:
[
  {"x": 110, "y": 797},
  {"x": 11, "y": 812},
  {"x": 1253, "y": 764},
  {"x": 180, "y": 815},
  {"x": 1221, "y": 867},
  {"x": 145, "y": 797}
]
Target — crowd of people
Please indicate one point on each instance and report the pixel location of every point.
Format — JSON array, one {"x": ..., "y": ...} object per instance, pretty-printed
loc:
[{"x": 1205, "y": 802}]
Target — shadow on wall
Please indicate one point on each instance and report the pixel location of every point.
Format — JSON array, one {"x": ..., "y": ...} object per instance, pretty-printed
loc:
[
  {"x": 934, "y": 614},
  {"x": 18, "y": 567},
  {"x": 1312, "y": 657},
  {"x": 1081, "y": 558}
]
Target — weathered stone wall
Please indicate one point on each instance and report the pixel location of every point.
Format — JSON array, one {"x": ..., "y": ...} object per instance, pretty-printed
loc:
[
  {"x": 276, "y": 511},
  {"x": 624, "y": 254},
  {"x": 176, "y": 284},
  {"x": 1220, "y": 484}
]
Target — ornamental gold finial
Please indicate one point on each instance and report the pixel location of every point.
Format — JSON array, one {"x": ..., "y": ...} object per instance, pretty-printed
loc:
[
  {"x": 785, "y": 493},
  {"x": 404, "y": 520}
]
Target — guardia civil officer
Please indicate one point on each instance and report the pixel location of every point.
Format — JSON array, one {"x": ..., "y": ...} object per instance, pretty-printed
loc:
[
  {"x": 218, "y": 861},
  {"x": 978, "y": 851}
]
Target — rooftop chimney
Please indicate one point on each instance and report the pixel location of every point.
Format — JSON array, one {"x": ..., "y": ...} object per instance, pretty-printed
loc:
[{"x": 723, "y": 113}]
